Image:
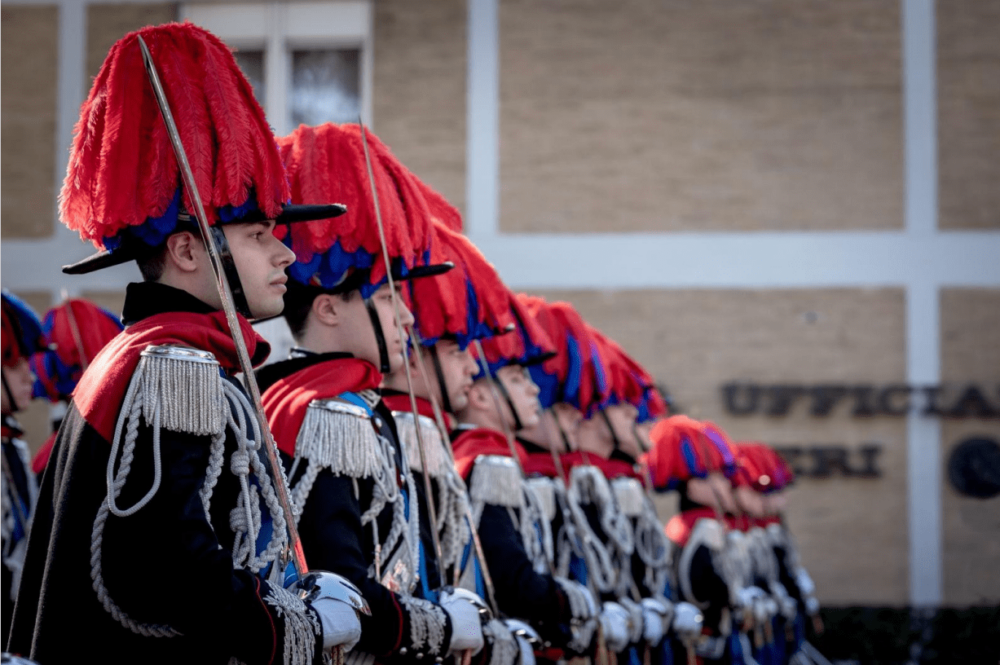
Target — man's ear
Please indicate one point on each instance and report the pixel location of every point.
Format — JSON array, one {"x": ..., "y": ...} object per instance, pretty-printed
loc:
[
  {"x": 184, "y": 251},
  {"x": 327, "y": 309},
  {"x": 479, "y": 397}
]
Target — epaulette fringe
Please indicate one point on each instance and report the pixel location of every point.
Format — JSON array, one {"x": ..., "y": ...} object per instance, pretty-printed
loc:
[
  {"x": 496, "y": 480},
  {"x": 339, "y": 436},
  {"x": 629, "y": 495},
  {"x": 181, "y": 390},
  {"x": 437, "y": 459},
  {"x": 545, "y": 491}
]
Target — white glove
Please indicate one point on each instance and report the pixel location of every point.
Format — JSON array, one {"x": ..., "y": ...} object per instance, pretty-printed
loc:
[
  {"x": 635, "y": 619},
  {"x": 812, "y": 606},
  {"x": 806, "y": 585},
  {"x": 466, "y": 623},
  {"x": 581, "y": 602},
  {"x": 614, "y": 621},
  {"x": 786, "y": 604},
  {"x": 747, "y": 596},
  {"x": 687, "y": 621},
  {"x": 526, "y": 638},
  {"x": 341, "y": 626},
  {"x": 763, "y": 609},
  {"x": 656, "y": 616},
  {"x": 338, "y": 603}
]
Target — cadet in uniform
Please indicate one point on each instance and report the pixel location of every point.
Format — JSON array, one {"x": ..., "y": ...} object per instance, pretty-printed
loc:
[
  {"x": 75, "y": 332},
  {"x": 359, "y": 504},
  {"x": 468, "y": 303},
  {"x": 511, "y": 520},
  {"x": 711, "y": 568},
  {"x": 158, "y": 536},
  {"x": 22, "y": 338}
]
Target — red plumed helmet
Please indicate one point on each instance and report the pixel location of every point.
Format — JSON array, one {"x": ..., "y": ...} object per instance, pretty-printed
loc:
[
  {"x": 78, "y": 329},
  {"x": 122, "y": 170},
  {"x": 22, "y": 331},
  {"x": 527, "y": 345},
  {"x": 684, "y": 448},
  {"x": 467, "y": 303},
  {"x": 329, "y": 161},
  {"x": 766, "y": 469},
  {"x": 575, "y": 373}
]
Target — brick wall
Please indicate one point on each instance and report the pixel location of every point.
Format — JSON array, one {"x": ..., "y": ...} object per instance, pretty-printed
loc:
[
  {"x": 419, "y": 99},
  {"x": 644, "y": 115},
  {"x": 970, "y": 352},
  {"x": 968, "y": 96},
  {"x": 852, "y": 531},
  {"x": 29, "y": 120}
]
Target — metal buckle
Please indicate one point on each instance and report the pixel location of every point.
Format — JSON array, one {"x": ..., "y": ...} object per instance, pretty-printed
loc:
[{"x": 185, "y": 353}]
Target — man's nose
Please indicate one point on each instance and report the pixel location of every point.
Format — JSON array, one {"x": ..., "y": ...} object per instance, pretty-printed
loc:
[
  {"x": 284, "y": 256},
  {"x": 405, "y": 313}
]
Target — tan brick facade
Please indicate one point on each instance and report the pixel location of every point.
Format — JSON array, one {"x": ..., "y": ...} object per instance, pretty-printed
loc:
[
  {"x": 652, "y": 116},
  {"x": 107, "y": 23},
  {"x": 29, "y": 120},
  {"x": 419, "y": 98},
  {"x": 723, "y": 115},
  {"x": 970, "y": 352},
  {"x": 968, "y": 61},
  {"x": 852, "y": 531}
]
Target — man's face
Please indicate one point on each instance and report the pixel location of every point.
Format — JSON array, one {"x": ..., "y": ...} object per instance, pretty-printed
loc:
[
  {"x": 261, "y": 260},
  {"x": 20, "y": 381},
  {"x": 569, "y": 419},
  {"x": 622, "y": 419},
  {"x": 714, "y": 491},
  {"x": 458, "y": 367},
  {"x": 356, "y": 327},
  {"x": 774, "y": 504},
  {"x": 749, "y": 501},
  {"x": 642, "y": 431},
  {"x": 523, "y": 394}
]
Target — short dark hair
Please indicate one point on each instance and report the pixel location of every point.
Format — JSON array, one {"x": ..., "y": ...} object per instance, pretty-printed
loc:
[
  {"x": 299, "y": 299},
  {"x": 153, "y": 263}
]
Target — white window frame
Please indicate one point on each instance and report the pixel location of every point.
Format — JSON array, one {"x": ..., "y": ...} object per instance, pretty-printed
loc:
[{"x": 278, "y": 28}]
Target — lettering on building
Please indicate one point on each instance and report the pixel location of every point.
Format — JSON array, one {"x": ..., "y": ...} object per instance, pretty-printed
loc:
[
  {"x": 827, "y": 461},
  {"x": 862, "y": 400}
]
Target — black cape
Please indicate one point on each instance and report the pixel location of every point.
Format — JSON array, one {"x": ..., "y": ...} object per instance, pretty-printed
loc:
[
  {"x": 164, "y": 564},
  {"x": 333, "y": 538}
]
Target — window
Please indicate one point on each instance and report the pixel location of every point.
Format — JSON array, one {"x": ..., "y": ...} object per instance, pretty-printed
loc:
[{"x": 308, "y": 62}]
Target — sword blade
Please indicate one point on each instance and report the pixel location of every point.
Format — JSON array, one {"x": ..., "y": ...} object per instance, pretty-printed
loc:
[
  {"x": 246, "y": 366},
  {"x": 431, "y": 509},
  {"x": 477, "y": 545}
]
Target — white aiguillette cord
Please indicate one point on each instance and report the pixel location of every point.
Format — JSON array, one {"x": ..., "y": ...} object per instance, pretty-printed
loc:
[{"x": 225, "y": 294}]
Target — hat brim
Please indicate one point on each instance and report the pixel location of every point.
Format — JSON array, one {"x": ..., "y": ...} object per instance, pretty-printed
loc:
[
  {"x": 131, "y": 249},
  {"x": 418, "y": 272}
]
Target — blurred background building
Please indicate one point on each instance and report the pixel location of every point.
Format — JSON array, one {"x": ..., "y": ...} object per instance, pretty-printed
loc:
[{"x": 788, "y": 210}]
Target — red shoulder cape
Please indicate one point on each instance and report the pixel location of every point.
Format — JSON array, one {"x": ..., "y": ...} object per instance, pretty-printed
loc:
[
  {"x": 481, "y": 441},
  {"x": 98, "y": 397},
  {"x": 541, "y": 464},
  {"x": 399, "y": 402},
  {"x": 611, "y": 468},
  {"x": 286, "y": 401},
  {"x": 41, "y": 458},
  {"x": 680, "y": 526}
]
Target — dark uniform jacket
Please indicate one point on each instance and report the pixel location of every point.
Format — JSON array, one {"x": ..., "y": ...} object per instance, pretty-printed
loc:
[
  {"x": 166, "y": 564},
  {"x": 330, "y": 526},
  {"x": 521, "y": 591},
  {"x": 19, "y": 489}
]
